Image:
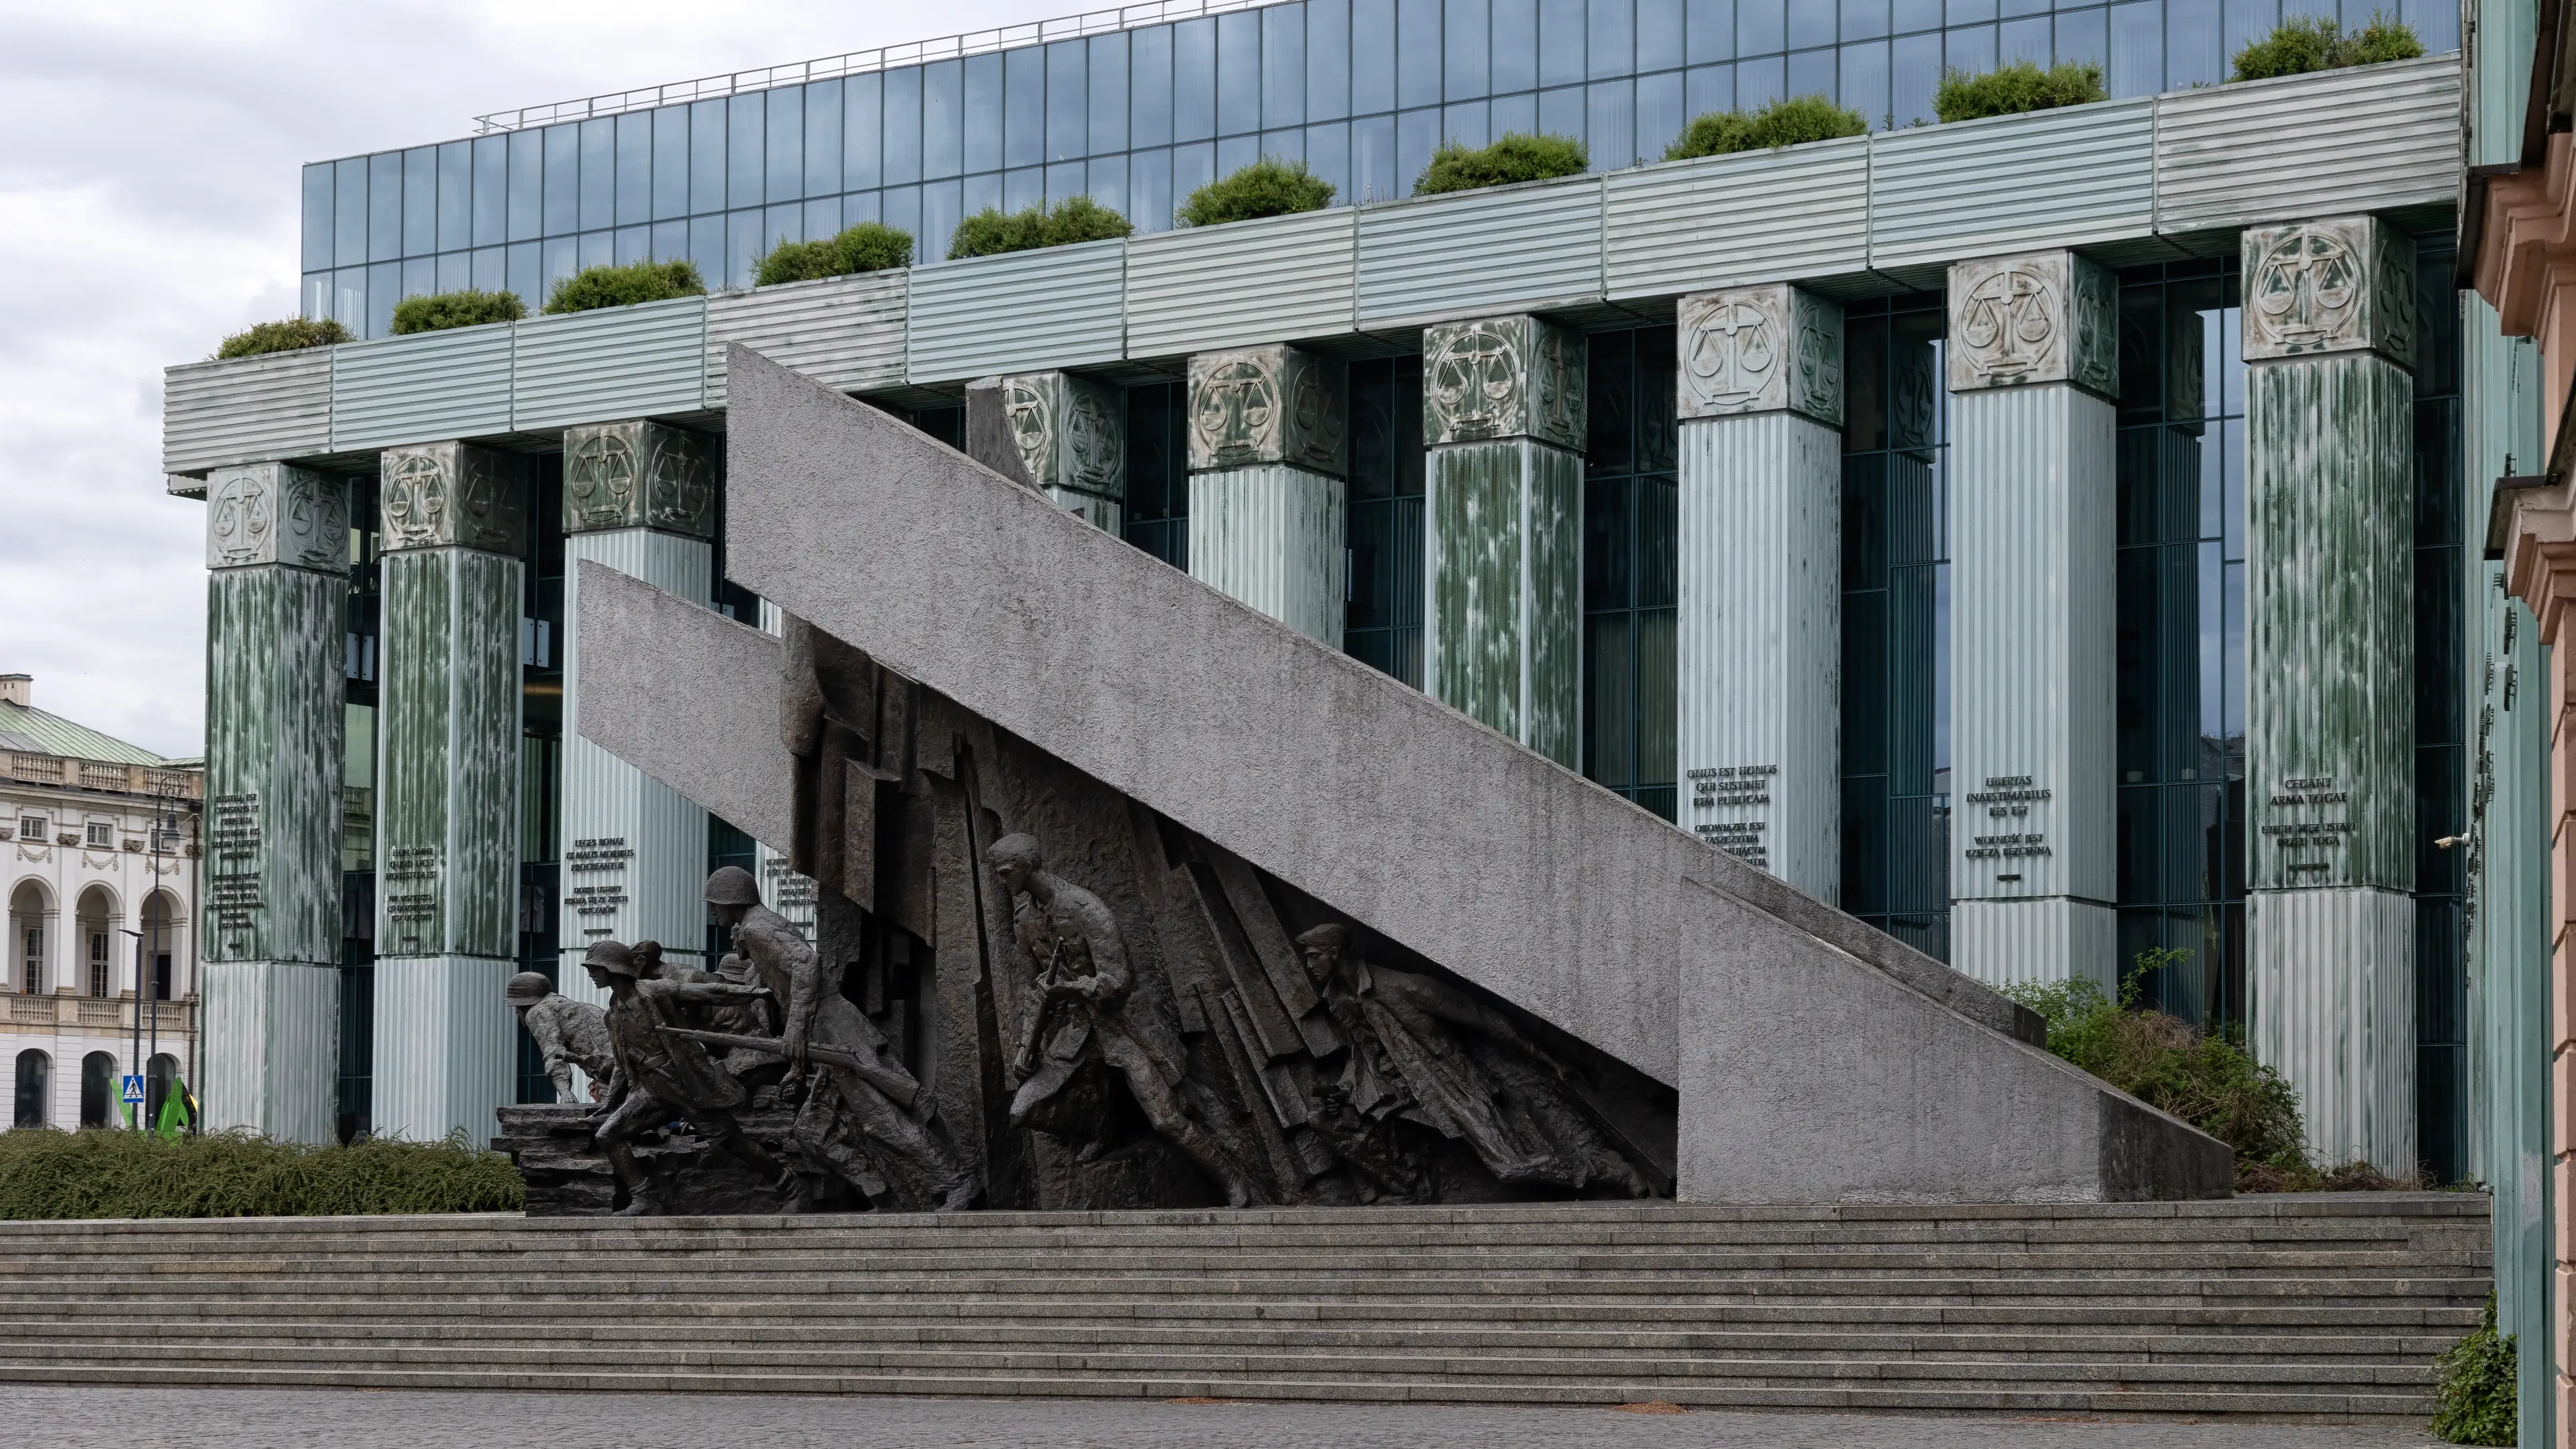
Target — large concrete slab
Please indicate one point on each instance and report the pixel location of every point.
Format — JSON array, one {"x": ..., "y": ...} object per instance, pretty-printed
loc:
[{"x": 1405, "y": 815}]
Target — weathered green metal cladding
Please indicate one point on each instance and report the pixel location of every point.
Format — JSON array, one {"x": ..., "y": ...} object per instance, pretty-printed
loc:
[
  {"x": 2331, "y": 644},
  {"x": 1506, "y": 584},
  {"x": 1553, "y": 702},
  {"x": 274, "y": 758},
  {"x": 447, "y": 831}
]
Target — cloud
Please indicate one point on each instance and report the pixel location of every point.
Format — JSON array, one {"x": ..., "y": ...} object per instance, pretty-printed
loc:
[{"x": 149, "y": 182}]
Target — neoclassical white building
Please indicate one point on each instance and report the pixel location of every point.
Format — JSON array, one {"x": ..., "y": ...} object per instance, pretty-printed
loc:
[{"x": 102, "y": 845}]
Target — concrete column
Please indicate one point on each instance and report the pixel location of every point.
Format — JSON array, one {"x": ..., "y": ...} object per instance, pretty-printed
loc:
[
  {"x": 447, "y": 836},
  {"x": 1761, "y": 408},
  {"x": 2330, "y": 677},
  {"x": 640, "y": 498},
  {"x": 1071, "y": 434},
  {"x": 2034, "y": 363},
  {"x": 1269, "y": 483},
  {"x": 1502, "y": 425},
  {"x": 277, "y": 552}
]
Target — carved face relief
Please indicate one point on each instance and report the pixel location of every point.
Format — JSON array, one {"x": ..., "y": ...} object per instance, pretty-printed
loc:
[
  {"x": 2044, "y": 317},
  {"x": 2096, "y": 321},
  {"x": 1474, "y": 382},
  {"x": 681, "y": 496},
  {"x": 416, "y": 498},
  {"x": 599, "y": 478},
  {"x": 438, "y": 494},
  {"x": 1029, "y": 407},
  {"x": 1816, "y": 358},
  {"x": 1732, "y": 344},
  {"x": 241, "y": 520},
  {"x": 271, "y": 513},
  {"x": 1315, "y": 424},
  {"x": 2345, "y": 284},
  {"x": 1094, "y": 445},
  {"x": 2008, "y": 324},
  {"x": 1234, "y": 411}
]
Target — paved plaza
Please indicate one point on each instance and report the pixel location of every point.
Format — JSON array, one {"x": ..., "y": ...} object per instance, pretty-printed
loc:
[{"x": 127, "y": 1418}]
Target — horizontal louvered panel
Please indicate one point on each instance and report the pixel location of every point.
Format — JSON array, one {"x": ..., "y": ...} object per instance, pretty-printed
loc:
[
  {"x": 1283, "y": 279},
  {"x": 421, "y": 389},
  {"x": 846, "y": 332},
  {"x": 1758, "y": 216},
  {"x": 248, "y": 410},
  {"x": 2061, "y": 178},
  {"x": 618, "y": 362},
  {"x": 2334, "y": 143},
  {"x": 1505, "y": 250},
  {"x": 1059, "y": 307}
]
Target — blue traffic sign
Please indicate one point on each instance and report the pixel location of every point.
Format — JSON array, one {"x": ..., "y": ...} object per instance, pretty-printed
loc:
[{"x": 134, "y": 1091}]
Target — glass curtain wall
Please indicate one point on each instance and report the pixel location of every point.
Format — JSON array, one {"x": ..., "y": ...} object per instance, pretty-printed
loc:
[
  {"x": 1360, "y": 90},
  {"x": 1631, "y": 494},
  {"x": 1382, "y": 626},
  {"x": 2181, "y": 641},
  {"x": 1158, "y": 471},
  {"x": 1895, "y": 695},
  {"x": 2441, "y": 722}
]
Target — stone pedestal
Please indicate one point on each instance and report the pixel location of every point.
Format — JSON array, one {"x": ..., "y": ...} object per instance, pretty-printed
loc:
[
  {"x": 640, "y": 498},
  {"x": 1761, "y": 408},
  {"x": 2034, "y": 362},
  {"x": 277, "y": 555},
  {"x": 1502, "y": 426},
  {"x": 447, "y": 837},
  {"x": 2330, "y": 676},
  {"x": 1269, "y": 483}
]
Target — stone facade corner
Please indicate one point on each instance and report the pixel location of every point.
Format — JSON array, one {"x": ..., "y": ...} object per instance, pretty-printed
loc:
[
  {"x": 438, "y": 495},
  {"x": 2341, "y": 284},
  {"x": 270, "y": 513},
  {"x": 1758, "y": 350},
  {"x": 1502, "y": 377},
  {"x": 1257, "y": 405},
  {"x": 638, "y": 475}
]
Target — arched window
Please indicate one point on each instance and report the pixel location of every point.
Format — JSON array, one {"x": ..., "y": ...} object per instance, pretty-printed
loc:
[
  {"x": 27, "y": 911},
  {"x": 156, "y": 1085},
  {"x": 97, "y": 941},
  {"x": 35, "y": 1079},
  {"x": 163, "y": 924},
  {"x": 98, "y": 1090}
]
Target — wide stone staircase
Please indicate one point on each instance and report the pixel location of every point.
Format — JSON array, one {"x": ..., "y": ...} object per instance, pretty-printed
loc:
[{"x": 2325, "y": 1307}]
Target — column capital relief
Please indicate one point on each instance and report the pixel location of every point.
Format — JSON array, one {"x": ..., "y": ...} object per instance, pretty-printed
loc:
[
  {"x": 1761, "y": 350},
  {"x": 2341, "y": 284},
  {"x": 440, "y": 495},
  {"x": 2036, "y": 318},
  {"x": 638, "y": 475},
  {"x": 1071, "y": 431},
  {"x": 1502, "y": 377},
  {"x": 1275, "y": 404},
  {"x": 271, "y": 513}
]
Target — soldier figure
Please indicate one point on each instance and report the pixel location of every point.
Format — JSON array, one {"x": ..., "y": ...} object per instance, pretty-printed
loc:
[
  {"x": 659, "y": 1076},
  {"x": 1080, "y": 1010},
  {"x": 808, "y": 990},
  {"x": 1422, "y": 1048},
  {"x": 569, "y": 1033}
]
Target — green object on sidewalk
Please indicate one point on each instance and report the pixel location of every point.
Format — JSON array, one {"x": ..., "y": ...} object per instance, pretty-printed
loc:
[{"x": 175, "y": 1110}]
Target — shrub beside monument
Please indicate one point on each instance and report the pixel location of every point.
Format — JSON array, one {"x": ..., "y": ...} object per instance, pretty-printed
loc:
[{"x": 113, "y": 1174}]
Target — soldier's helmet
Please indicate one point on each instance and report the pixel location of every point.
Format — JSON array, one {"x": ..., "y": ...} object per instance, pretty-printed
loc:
[
  {"x": 528, "y": 987},
  {"x": 611, "y": 957},
  {"x": 732, "y": 886}
]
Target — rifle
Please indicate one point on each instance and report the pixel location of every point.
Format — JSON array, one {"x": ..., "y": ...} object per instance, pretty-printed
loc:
[{"x": 902, "y": 1089}]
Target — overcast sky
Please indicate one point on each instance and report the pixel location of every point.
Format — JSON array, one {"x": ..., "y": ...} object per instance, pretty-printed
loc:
[{"x": 149, "y": 157}]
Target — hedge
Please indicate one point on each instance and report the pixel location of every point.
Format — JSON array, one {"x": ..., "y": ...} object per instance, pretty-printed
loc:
[
  {"x": 289, "y": 335},
  {"x": 1789, "y": 122},
  {"x": 596, "y": 287},
  {"x": 991, "y": 232},
  {"x": 1264, "y": 188},
  {"x": 1518, "y": 156},
  {"x": 2017, "y": 88},
  {"x": 2307, "y": 43},
  {"x": 871, "y": 246},
  {"x": 117, "y": 1174},
  {"x": 468, "y": 308}
]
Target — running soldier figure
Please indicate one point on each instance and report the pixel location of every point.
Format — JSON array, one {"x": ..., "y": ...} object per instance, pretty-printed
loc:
[
  {"x": 568, "y": 1034},
  {"x": 659, "y": 1076}
]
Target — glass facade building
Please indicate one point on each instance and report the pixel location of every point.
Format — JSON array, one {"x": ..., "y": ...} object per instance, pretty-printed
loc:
[{"x": 1362, "y": 91}]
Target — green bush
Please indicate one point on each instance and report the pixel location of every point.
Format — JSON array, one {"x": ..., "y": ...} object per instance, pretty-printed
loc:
[
  {"x": 289, "y": 335},
  {"x": 871, "y": 246},
  {"x": 2016, "y": 88},
  {"x": 2172, "y": 1065},
  {"x": 1264, "y": 188},
  {"x": 991, "y": 232},
  {"x": 468, "y": 308},
  {"x": 1781, "y": 123},
  {"x": 596, "y": 287},
  {"x": 2473, "y": 1388},
  {"x": 114, "y": 1174},
  {"x": 1518, "y": 156},
  {"x": 2306, "y": 43}
]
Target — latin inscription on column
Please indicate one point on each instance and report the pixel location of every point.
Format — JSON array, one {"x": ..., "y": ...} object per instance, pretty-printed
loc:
[
  {"x": 1734, "y": 787},
  {"x": 232, "y": 888},
  {"x": 2006, "y": 801},
  {"x": 2310, "y": 844},
  {"x": 790, "y": 894},
  {"x": 603, "y": 860},
  {"x": 411, "y": 880}
]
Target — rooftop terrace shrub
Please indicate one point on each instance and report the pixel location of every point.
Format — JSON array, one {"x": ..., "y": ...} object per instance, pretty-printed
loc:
[
  {"x": 992, "y": 231},
  {"x": 113, "y": 1174},
  {"x": 2017, "y": 88},
  {"x": 286, "y": 335},
  {"x": 2305, "y": 43},
  {"x": 1267, "y": 187},
  {"x": 592, "y": 288},
  {"x": 1518, "y": 156},
  {"x": 1789, "y": 122},
  {"x": 871, "y": 246},
  {"x": 467, "y": 308}
]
